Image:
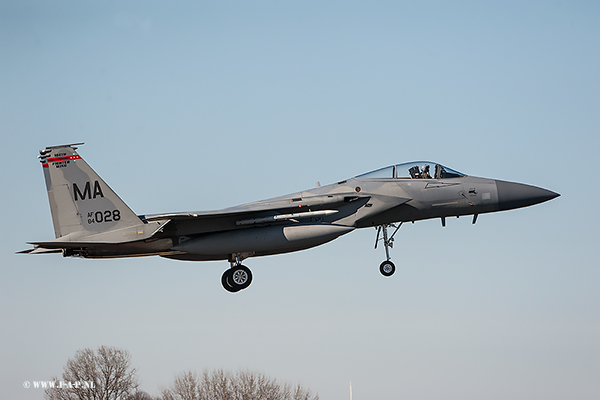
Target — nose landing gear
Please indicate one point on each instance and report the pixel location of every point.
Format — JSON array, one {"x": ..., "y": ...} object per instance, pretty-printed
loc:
[{"x": 387, "y": 268}]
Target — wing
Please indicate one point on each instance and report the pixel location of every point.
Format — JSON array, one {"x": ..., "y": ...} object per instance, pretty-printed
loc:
[
  {"x": 259, "y": 209},
  {"x": 291, "y": 209}
]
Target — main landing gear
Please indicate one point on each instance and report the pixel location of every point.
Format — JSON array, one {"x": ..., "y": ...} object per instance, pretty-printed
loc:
[
  {"x": 387, "y": 268},
  {"x": 236, "y": 278}
]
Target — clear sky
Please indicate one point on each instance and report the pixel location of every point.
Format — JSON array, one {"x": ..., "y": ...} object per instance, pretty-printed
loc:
[{"x": 204, "y": 105}]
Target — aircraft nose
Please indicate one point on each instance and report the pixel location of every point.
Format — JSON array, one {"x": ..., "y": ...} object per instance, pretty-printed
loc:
[{"x": 515, "y": 195}]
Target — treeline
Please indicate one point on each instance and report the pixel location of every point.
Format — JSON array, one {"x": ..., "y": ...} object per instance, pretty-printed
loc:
[{"x": 107, "y": 374}]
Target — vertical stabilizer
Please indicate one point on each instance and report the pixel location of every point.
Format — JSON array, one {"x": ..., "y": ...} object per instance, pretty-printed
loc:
[{"x": 82, "y": 204}]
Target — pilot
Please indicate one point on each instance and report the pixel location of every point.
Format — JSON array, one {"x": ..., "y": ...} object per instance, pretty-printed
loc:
[{"x": 425, "y": 172}]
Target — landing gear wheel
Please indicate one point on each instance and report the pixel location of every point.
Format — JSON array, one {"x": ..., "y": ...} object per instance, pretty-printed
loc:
[
  {"x": 226, "y": 281},
  {"x": 237, "y": 278},
  {"x": 241, "y": 277},
  {"x": 387, "y": 268}
]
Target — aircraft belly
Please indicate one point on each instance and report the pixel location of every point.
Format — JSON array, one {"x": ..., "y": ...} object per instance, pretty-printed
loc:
[{"x": 263, "y": 240}]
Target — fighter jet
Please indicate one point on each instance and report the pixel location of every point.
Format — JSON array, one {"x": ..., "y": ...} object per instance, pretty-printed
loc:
[{"x": 91, "y": 221}]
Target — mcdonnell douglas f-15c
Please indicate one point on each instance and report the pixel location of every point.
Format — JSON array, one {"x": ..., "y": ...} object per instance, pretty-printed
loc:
[{"x": 91, "y": 221}]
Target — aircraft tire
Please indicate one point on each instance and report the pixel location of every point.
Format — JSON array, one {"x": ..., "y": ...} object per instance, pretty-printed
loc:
[
  {"x": 226, "y": 281},
  {"x": 241, "y": 277},
  {"x": 387, "y": 268}
]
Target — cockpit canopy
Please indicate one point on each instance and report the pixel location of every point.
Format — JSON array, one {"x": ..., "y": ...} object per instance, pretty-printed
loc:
[{"x": 414, "y": 170}]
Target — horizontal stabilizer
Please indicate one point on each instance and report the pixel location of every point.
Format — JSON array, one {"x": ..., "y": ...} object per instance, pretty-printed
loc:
[
  {"x": 39, "y": 250},
  {"x": 73, "y": 245}
]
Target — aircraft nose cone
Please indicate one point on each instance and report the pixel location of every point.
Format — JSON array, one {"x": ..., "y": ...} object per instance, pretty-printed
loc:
[{"x": 515, "y": 195}]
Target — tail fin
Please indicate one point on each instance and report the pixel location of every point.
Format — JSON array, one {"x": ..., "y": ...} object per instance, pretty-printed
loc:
[{"x": 82, "y": 204}]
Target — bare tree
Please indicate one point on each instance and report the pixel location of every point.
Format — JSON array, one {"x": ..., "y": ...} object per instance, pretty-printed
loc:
[
  {"x": 221, "y": 385},
  {"x": 140, "y": 395},
  {"x": 102, "y": 375}
]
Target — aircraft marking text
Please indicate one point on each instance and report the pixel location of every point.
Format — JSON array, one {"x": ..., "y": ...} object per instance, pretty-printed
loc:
[
  {"x": 87, "y": 191},
  {"x": 99, "y": 217},
  {"x": 61, "y": 160}
]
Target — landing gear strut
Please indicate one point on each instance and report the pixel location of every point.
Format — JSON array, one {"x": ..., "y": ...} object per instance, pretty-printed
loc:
[
  {"x": 387, "y": 268},
  {"x": 237, "y": 278}
]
